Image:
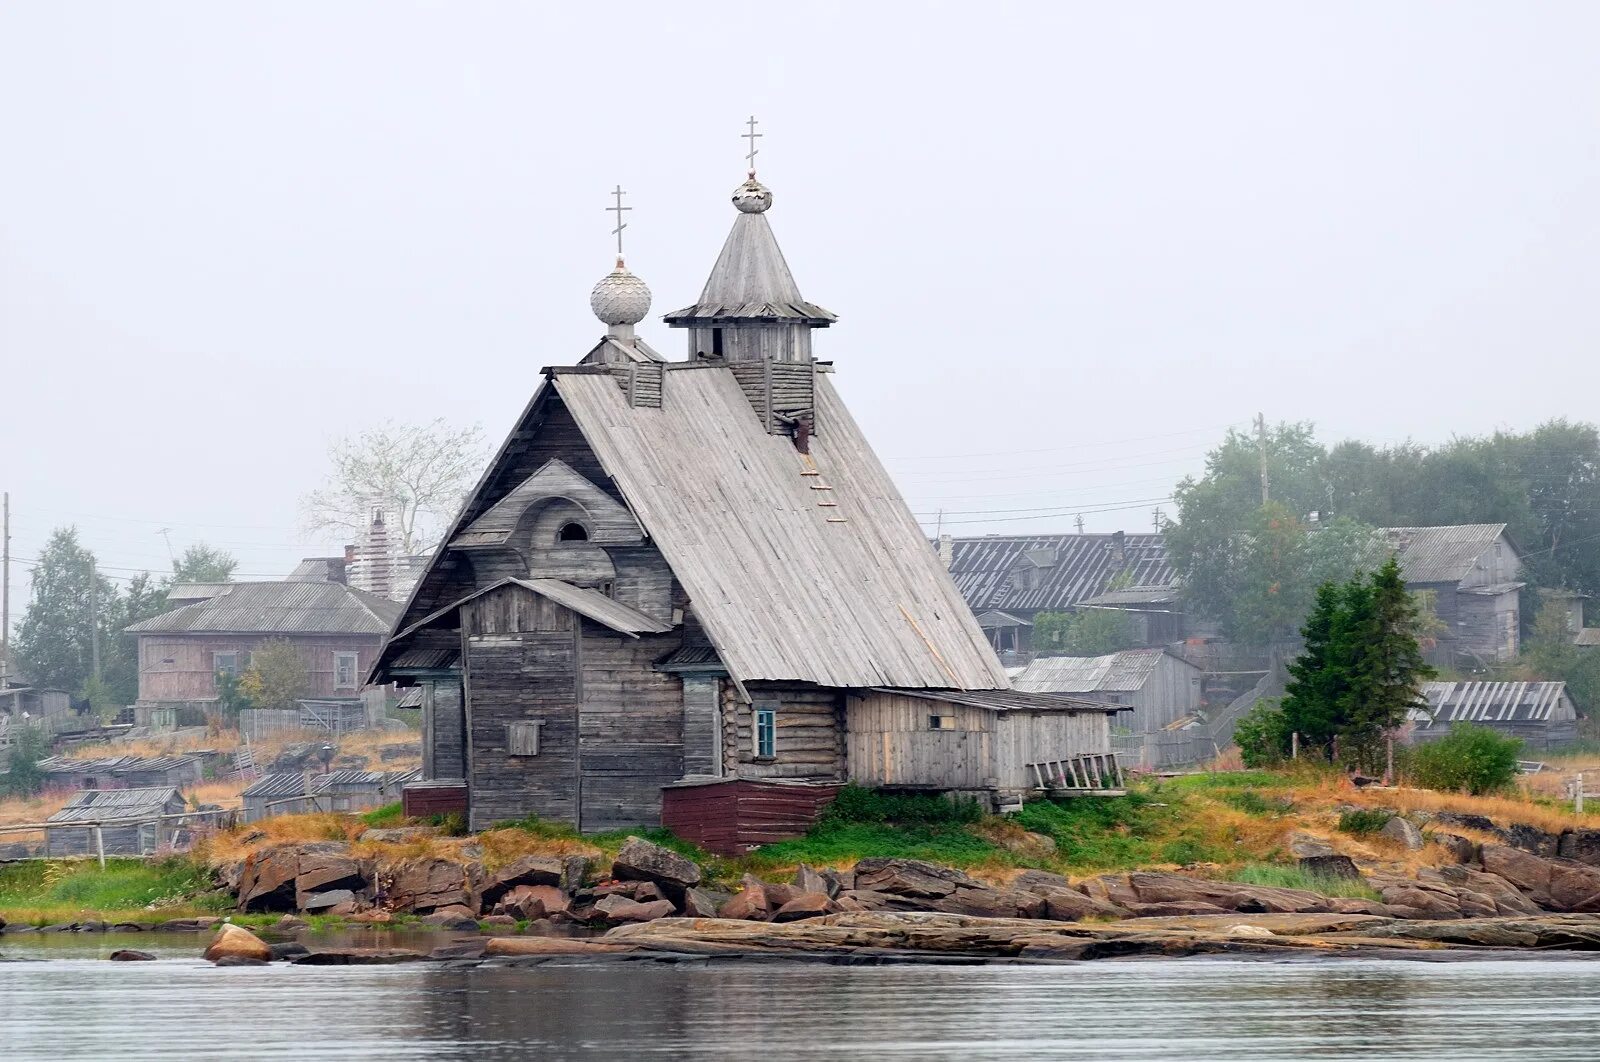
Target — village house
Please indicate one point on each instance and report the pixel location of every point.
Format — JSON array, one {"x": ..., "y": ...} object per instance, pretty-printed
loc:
[
  {"x": 687, "y": 591},
  {"x": 1470, "y": 576},
  {"x": 1540, "y": 713},
  {"x": 1008, "y": 580},
  {"x": 336, "y": 629}
]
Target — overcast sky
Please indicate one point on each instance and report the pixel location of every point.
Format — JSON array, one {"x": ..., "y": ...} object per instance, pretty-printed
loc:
[{"x": 1068, "y": 243}]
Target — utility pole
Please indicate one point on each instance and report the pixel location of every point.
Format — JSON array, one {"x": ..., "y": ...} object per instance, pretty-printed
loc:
[
  {"x": 1261, "y": 448},
  {"x": 94, "y": 622},
  {"x": 5, "y": 587},
  {"x": 1079, "y": 523},
  {"x": 1155, "y": 519}
]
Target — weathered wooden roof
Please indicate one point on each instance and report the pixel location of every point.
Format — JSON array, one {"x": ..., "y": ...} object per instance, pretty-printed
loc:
[
  {"x": 1587, "y": 636},
  {"x": 92, "y": 805},
  {"x": 1441, "y": 554},
  {"x": 985, "y": 568},
  {"x": 786, "y": 589},
  {"x": 591, "y": 603},
  {"x": 1133, "y": 597},
  {"x": 1494, "y": 702},
  {"x": 288, "y": 784},
  {"x": 112, "y": 764},
  {"x": 279, "y": 608},
  {"x": 1123, "y": 672},
  {"x": 1008, "y": 700},
  {"x": 751, "y": 280}
]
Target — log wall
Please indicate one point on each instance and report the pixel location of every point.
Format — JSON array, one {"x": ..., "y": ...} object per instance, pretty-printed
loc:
[{"x": 810, "y": 732}]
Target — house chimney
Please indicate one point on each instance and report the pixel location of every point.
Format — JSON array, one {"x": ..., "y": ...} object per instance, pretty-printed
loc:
[
  {"x": 1119, "y": 548},
  {"x": 947, "y": 551}
]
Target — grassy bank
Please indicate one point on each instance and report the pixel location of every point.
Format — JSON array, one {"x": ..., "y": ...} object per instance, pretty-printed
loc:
[
  {"x": 1225, "y": 825},
  {"x": 44, "y": 892}
]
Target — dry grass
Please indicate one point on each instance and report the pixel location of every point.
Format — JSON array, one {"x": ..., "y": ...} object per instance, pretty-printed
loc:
[{"x": 1503, "y": 811}]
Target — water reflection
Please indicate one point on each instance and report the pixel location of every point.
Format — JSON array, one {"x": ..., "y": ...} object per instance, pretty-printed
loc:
[{"x": 1158, "y": 1010}]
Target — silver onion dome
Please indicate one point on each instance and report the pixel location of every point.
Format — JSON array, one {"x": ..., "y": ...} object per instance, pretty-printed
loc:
[
  {"x": 620, "y": 298},
  {"x": 752, "y": 197}
]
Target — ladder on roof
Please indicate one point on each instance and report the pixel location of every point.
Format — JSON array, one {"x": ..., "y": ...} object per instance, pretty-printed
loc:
[{"x": 244, "y": 759}]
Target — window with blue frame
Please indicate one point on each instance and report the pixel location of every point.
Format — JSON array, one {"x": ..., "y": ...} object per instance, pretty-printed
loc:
[{"x": 766, "y": 733}]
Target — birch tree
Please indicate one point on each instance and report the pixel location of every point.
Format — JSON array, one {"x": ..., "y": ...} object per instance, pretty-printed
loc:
[{"x": 418, "y": 474}]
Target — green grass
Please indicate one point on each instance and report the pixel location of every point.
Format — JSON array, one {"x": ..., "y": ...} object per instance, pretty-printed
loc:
[
  {"x": 1287, "y": 877},
  {"x": 1224, "y": 780},
  {"x": 386, "y": 816},
  {"x": 1364, "y": 821},
  {"x": 1252, "y": 802},
  {"x": 42, "y": 891}
]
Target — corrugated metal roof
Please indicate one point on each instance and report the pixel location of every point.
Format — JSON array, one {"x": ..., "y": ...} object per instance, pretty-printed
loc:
[
  {"x": 841, "y": 596},
  {"x": 317, "y": 570},
  {"x": 1122, "y": 672},
  {"x": 196, "y": 591},
  {"x": 1494, "y": 702},
  {"x": 1441, "y": 554},
  {"x": 95, "y": 804},
  {"x": 1131, "y": 596},
  {"x": 279, "y": 608},
  {"x": 1003, "y": 572},
  {"x": 1007, "y": 700}
]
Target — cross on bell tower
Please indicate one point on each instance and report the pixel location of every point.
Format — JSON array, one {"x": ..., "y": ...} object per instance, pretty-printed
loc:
[
  {"x": 618, "y": 210},
  {"x": 752, "y": 136}
]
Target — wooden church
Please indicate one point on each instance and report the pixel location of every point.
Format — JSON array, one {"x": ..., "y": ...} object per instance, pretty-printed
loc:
[{"x": 687, "y": 591}]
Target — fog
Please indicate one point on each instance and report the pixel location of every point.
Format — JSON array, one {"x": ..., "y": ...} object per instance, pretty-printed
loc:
[{"x": 1069, "y": 244}]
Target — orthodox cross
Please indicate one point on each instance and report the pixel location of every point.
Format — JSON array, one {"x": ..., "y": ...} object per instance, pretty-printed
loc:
[
  {"x": 618, "y": 209},
  {"x": 752, "y": 136}
]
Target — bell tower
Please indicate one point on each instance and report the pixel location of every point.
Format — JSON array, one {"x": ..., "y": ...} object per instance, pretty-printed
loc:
[{"x": 751, "y": 310}]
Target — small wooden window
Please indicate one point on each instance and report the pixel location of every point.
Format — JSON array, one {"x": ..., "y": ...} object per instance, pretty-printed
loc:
[
  {"x": 344, "y": 670},
  {"x": 572, "y": 532},
  {"x": 938, "y": 721},
  {"x": 766, "y": 733},
  {"x": 522, "y": 737}
]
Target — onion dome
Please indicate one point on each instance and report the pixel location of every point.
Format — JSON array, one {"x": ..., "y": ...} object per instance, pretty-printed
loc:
[
  {"x": 752, "y": 197},
  {"x": 620, "y": 298}
]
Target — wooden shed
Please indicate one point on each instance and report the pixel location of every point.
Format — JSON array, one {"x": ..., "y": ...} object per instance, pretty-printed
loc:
[
  {"x": 132, "y": 822},
  {"x": 344, "y": 791},
  {"x": 998, "y": 745},
  {"x": 1540, "y": 713},
  {"x": 121, "y": 772},
  {"x": 1161, "y": 688}
]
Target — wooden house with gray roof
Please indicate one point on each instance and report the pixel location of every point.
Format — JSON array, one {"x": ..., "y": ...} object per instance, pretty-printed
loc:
[
  {"x": 336, "y": 630},
  {"x": 1008, "y": 580},
  {"x": 692, "y": 583},
  {"x": 1472, "y": 577}
]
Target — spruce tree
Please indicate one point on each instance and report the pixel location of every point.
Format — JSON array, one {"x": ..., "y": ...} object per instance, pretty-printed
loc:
[
  {"x": 1394, "y": 657},
  {"x": 1310, "y": 701},
  {"x": 1353, "y": 671}
]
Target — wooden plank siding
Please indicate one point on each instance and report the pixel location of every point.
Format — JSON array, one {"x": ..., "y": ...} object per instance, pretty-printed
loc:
[
  {"x": 179, "y": 668},
  {"x": 892, "y": 744}
]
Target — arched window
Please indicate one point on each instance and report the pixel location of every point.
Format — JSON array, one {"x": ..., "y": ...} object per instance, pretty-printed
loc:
[{"x": 573, "y": 532}]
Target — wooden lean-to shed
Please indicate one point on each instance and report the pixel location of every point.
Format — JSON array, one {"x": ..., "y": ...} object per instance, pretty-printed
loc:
[
  {"x": 998, "y": 745},
  {"x": 132, "y": 822}
]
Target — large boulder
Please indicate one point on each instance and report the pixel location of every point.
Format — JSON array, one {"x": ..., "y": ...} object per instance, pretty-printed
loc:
[
  {"x": 750, "y": 903},
  {"x": 236, "y": 942},
  {"x": 806, "y": 905},
  {"x": 533, "y": 902},
  {"x": 527, "y": 870},
  {"x": 334, "y": 902},
  {"x": 1554, "y": 884},
  {"x": 641, "y": 860},
  {"x": 618, "y": 909},
  {"x": 267, "y": 879},
  {"x": 910, "y": 877},
  {"x": 1403, "y": 832},
  {"x": 1064, "y": 902},
  {"x": 1580, "y": 845},
  {"x": 697, "y": 903},
  {"x": 992, "y": 903},
  {"x": 423, "y": 885}
]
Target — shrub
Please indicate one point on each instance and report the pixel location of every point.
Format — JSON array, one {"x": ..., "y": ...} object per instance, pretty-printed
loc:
[
  {"x": 857, "y": 804},
  {"x": 1364, "y": 821},
  {"x": 1288, "y": 877},
  {"x": 1263, "y": 735},
  {"x": 1472, "y": 759}
]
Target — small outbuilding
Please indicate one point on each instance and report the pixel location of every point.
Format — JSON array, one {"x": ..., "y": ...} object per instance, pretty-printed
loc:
[
  {"x": 348, "y": 790},
  {"x": 121, "y": 772},
  {"x": 1540, "y": 713},
  {"x": 132, "y": 822},
  {"x": 1161, "y": 688}
]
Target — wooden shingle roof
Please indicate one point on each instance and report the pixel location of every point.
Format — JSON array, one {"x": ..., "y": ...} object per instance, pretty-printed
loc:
[{"x": 845, "y": 596}]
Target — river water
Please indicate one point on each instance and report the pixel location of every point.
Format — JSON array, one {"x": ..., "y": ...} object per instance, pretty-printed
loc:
[{"x": 76, "y": 1005}]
